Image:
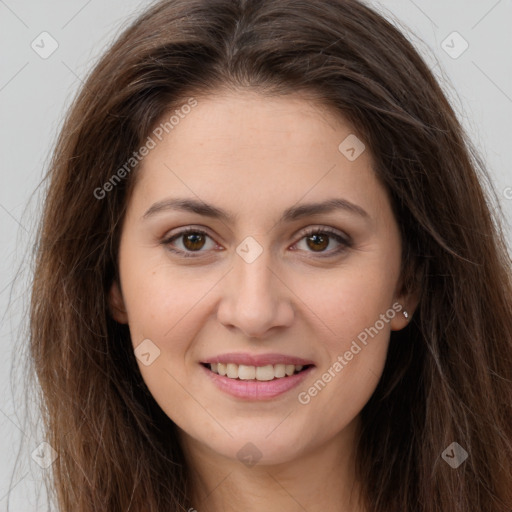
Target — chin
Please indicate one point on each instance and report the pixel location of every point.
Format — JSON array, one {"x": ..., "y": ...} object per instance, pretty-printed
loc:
[{"x": 259, "y": 447}]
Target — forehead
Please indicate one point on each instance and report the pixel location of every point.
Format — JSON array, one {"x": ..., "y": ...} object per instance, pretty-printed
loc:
[
  {"x": 247, "y": 119},
  {"x": 251, "y": 151}
]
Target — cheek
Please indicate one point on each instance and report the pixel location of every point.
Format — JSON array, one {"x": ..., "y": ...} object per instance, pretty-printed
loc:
[
  {"x": 352, "y": 331},
  {"x": 167, "y": 321},
  {"x": 160, "y": 299},
  {"x": 166, "y": 307},
  {"x": 344, "y": 302},
  {"x": 355, "y": 350},
  {"x": 352, "y": 314},
  {"x": 336, "y": 397}
]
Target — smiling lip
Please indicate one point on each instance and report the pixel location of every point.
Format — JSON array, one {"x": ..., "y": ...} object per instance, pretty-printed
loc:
[
  {"x": 257, "y": 360},
  {"x": 254, "y": 389}
]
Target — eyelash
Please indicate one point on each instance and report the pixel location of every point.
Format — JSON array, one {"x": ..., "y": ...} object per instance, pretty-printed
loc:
[{"x": 346, "y": 243}]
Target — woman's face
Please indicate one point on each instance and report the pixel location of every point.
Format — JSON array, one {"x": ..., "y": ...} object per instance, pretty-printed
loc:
[{"x": 251, "y": 289}]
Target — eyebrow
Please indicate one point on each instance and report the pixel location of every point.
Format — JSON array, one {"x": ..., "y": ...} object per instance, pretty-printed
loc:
[{"x": 290, "y": 214}]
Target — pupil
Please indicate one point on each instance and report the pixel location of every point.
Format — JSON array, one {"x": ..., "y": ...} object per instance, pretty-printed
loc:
[
  {"x": 315, "y": 238},
  {"x": 193, "y": 241}
]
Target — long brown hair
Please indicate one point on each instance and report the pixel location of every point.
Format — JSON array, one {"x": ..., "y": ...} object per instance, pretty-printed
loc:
[{"x": 448, "y": 375}]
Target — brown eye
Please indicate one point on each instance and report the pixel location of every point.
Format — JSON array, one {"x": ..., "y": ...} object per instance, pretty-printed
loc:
[
  {"x": 193, "y": 241},
  {"x": 318, "y": 242},
  {"x": 189, "y": 242}
]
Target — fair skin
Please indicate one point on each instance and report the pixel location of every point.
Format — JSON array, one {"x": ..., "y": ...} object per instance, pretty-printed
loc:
[{"x": 256, "y": 157}]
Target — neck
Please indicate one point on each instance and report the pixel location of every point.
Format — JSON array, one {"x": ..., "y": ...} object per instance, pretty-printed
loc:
[{"x": 318, "y": 480}]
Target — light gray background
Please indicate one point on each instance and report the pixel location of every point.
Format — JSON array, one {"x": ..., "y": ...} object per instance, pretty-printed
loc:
[{"x": 35, "y": 92}]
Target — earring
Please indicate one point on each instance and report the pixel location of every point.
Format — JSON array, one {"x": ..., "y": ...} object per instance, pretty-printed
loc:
[{"x": 406, "y": 314}]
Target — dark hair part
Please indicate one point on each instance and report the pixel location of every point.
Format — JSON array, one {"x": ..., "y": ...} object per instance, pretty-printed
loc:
[{"x": 448, "y": 375}]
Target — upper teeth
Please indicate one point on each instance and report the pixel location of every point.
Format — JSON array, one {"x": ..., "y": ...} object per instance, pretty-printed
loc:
[{"x": 244, "y": 372}]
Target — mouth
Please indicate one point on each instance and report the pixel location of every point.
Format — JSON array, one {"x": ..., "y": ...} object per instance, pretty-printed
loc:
[
  {"x": 264, "y": 373},
  {"x": 256, "y": 378}
]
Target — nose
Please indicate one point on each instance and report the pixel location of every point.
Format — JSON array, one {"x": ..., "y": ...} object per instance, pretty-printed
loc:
[{"x": 255, "y": 298}]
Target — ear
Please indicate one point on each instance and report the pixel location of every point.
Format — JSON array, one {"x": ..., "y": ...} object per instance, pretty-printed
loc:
[
  {"x": 404, "y": 304},
  {"x": 116, "y": 304}
]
